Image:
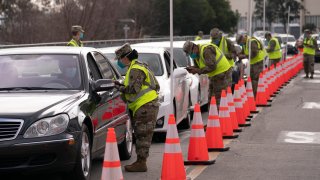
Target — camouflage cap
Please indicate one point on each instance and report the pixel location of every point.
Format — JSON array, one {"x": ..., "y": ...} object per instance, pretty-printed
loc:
[
  {"x": 187, "y": 47},
  {"x": 307, "y": 31},
  {"x": 200, "y": 33},
  {"x": 76, "y": 28},
  {"x": 215, "y": 32},
  {"x": 123, "y": 51}
]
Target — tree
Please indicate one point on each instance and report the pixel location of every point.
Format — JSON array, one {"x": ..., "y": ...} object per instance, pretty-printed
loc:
[{"x": 279, "y": 9}]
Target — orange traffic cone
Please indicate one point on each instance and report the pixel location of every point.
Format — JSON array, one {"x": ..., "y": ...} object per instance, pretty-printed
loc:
[
  {"x": 225, "y": 119},
  {"x": 239, "y": 107},
  {"x": 198, "y": 149},
  {"x": 251, "y": 101},
  {"x": 213, "y": 131},
  {"x": 261, "y": 98},
  {"x": 111, "y": 164},
  {"x": 246, "y": 108},
  {"x": 232, "y": 111},
  {"x": 172, "y": 163}
]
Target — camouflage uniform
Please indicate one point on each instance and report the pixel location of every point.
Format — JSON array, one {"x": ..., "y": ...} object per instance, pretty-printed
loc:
[
  {"x": 255, "y": 69},
  {"x": 218, "y": 82},
  {"x": 144, "y": 119},
  {"x": 271, "y": 49},
  {"x": 308, "y": 60}
]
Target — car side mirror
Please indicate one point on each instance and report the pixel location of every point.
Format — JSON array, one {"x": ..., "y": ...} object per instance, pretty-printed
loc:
[{"x": 103, "y": 85}]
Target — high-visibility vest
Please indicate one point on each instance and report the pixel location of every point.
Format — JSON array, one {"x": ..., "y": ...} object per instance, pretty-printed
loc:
[
  {"x": 198, "y": 38},
  {"x": 147, "y": 92},
  {"x": 222, "y": 62},
  {"x": 261, "y": 54},
  {"x": 224, "y": 48},
  {"x": 308, "y": 50},
  {"x": 276, "y": 53},
  {"x": 74, "y": 43}
]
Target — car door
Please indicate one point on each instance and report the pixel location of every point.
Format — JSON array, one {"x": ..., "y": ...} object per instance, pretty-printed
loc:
[
  {"x": 118, "y": 112},
  {"x": 180, "y": 90},
  {"x": 104, "y": 108}
]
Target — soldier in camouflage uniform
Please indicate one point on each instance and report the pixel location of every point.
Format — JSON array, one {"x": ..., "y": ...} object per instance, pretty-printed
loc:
[
  {"x": 140, "y": 90},
  {"x": 309, "y": 49},
  {"x": 273, "y": 49},
  {"x": 210, "y": 60},
  {"x": 77, "y": 36},
  {"x": 257, "y": 56}
]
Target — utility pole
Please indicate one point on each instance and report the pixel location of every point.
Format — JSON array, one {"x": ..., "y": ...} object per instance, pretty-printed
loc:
[
  {"x": 171, "y": 48},
  {"x": 264, "y": 15}
]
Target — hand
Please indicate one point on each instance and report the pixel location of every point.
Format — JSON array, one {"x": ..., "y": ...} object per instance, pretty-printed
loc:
[
  {"x": 117, "y": 84},
  {"x": 192, "y": 70}
]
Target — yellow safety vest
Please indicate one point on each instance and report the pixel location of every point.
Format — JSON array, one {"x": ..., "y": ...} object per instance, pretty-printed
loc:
[
  {"x": 276, "y": 53},
  {"x": 74, "y": 43},
  {"x": 198, "y": 38},
  {"x": 308, "y": 50},
  {"x": 261, "y": 54},
  {"x": 147, "y": 92},
  {"x": 222, "y": 62},
  {"x": 224, "y": 48}
]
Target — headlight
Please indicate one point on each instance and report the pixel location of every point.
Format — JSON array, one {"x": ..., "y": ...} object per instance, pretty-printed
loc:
[
  {"x": 48, "y": 126},
  {"x": 161, "y": 98}
]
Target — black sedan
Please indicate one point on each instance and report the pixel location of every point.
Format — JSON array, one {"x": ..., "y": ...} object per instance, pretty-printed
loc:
[{"x": 56, "y": 104}]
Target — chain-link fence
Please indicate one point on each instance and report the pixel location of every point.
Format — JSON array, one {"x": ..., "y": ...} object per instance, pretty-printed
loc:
[{"x": 108, "y": 43}]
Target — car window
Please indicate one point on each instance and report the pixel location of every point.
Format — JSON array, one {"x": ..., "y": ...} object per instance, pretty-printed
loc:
[
  {"x": 153, "y": 61},
  {"x": 93, "y": 68},
  {"x": 40, "y": 70},
  {"x": 104, "y": 66},
  {"x": 180, "y": 57}
]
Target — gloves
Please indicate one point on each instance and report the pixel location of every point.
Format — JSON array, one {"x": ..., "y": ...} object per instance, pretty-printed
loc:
[
  {"x": 193, "y": 70},
  {"x": 117, "y": 84}
]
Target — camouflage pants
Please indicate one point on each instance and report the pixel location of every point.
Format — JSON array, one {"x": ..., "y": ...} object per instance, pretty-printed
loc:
[
  {"x": 308, "y": 64},
  {"x": 218, "y": 83},
  {"x": 273, "y": 61},
  {"x": 143, "y": 123},
  {"x": 255, "y": 70}
]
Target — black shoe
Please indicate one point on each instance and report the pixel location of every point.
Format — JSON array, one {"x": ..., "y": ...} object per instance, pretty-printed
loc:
[
  {"x": 311, "y": 77},
  {"x": 306, "y": 77}
]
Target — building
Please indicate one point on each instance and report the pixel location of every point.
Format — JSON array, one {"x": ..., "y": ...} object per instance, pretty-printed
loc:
[{"x": 311, "y": 14}]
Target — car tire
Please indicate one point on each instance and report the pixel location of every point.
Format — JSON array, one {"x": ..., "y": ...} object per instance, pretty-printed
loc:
[
  {"x": 125, "y": 148},
  {"x": 159, "y": 137},
  {"x": 82, "y": 167}
]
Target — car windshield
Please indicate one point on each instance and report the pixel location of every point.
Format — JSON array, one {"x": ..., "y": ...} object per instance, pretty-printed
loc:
[
  {"x": 40, "y": 71},
  {"x": 180, "y": 57},
  {"x": 153, "y": 61}
]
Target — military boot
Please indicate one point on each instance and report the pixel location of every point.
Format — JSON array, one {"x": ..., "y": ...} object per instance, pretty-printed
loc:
[
  {"x": 311, "y": 77},
  {"x": 139, "y": 166}
]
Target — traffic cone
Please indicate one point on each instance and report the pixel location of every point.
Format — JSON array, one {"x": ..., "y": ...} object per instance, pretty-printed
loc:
[
  {"x": 251, "y": 101},
  {"x": 239, "y": 107},
  {"x": 111, "y": 164},
  {"x": 198, "y": 149},
  {"x": 213, "y": 131},
  {"x": 261, "y": 99},
  {"x": 246, "y": 108},
  {"x": 172, "y": 163},
  {"x": 232, "y": 111},
  {"x": 225, "y": 119}
]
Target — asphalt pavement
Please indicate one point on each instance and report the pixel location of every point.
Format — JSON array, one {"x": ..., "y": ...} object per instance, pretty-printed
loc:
[{"x": 282, "y": 143}]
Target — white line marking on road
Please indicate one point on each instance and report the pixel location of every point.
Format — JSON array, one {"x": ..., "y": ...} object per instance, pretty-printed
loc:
[
  {"x": 196, "y": 172},
  {"x": 311, "y": 105},
  {"x": 315, "y": 81},
  {"x": 317, "y": 71},
  {"x": 315, "y": 75},
  {"x": 299, "y": 137}
]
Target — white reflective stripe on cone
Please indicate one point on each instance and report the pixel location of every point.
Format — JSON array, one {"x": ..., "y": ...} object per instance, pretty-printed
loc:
[
  {"x": 172, "y": 131},
  {"x": 172, "y": 148},
  {"x": 213, "y": 123},
  {"x": 224, "y": 114},
  {"x": 197, "y": 118},
  {"x": 213, "y": 110},
  {"x": 197, "y": 133},
  {"x": 111, "y": 152},
  {"x": 111, "y": 173}
]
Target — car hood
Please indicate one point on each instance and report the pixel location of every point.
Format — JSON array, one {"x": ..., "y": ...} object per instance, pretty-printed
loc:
[{"x": 25, "y": 104}]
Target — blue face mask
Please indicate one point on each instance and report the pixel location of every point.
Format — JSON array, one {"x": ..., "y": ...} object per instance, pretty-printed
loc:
[
  {"x": 194, "y": 56},
  {"x": 81, "y": 35},
  {"x": 70, "y": 72},
  {"x": 120, "y": 64},
  {"x": 241, "y": 44},
  {"x": 216, "y": 41}
]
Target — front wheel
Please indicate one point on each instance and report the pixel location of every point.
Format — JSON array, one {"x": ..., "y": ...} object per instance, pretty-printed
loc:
[{"x": 83, "y": 163}]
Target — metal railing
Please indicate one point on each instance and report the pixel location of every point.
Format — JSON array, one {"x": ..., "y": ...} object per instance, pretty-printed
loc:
[{"x": 106, "y": 43}]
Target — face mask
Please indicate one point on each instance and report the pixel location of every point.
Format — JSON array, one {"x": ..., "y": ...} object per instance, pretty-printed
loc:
[
  {"x": 194, "y": 56},
  {"x": 120, "y": 64},
  {"x": 216, "y": 41},
  {"x": 70, "y": 72},
  {"x": 241, "y": 44},
  {"x": 81, "y": 35}
]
